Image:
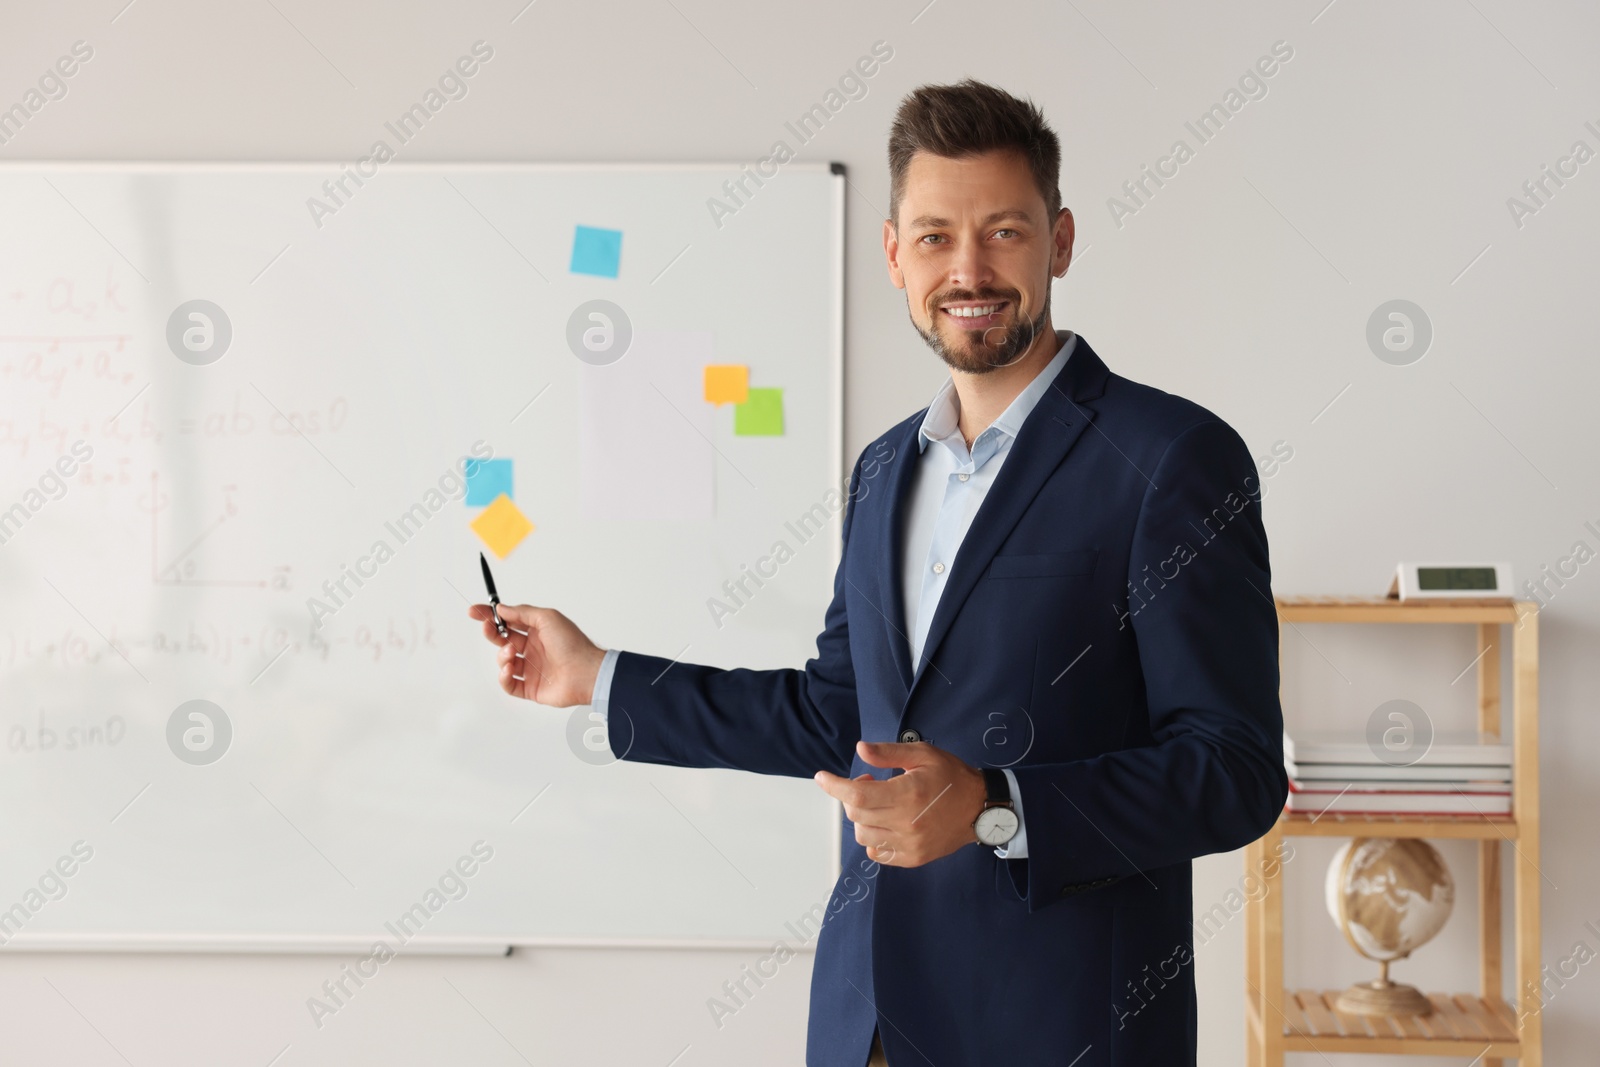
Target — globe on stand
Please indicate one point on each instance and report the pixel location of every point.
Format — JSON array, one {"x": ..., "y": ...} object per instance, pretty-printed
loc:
[{"x": 1389, "y": 897}]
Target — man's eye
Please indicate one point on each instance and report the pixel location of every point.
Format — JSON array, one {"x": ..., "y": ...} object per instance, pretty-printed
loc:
[
  {"x": 999, "y": 232},
  {"x": 931, "y": 237}
]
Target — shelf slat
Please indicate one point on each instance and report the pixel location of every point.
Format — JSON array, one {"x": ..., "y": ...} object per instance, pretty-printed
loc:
[
  {"x": 1404, "y": 1026},
  {"x": 1318, "y": 1016},
  {"x": 1351, "y": 1023},
  {"x": 1383, "y": 610},
  {"x": 1461, "y": 1025},
  {"x": 1349, "y": 824}
]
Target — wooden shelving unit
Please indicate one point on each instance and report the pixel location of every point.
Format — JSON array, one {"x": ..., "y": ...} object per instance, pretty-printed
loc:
[{"x": 1482, "y": 1024}]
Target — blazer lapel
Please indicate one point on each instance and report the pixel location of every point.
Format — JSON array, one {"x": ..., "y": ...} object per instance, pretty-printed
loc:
[
  {"x": 1050, "y": 430},
  {"x": 891, "y": 548}
]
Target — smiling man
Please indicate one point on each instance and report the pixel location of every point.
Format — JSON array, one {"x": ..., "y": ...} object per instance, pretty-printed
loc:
[{"x": 1048, "y": 679}]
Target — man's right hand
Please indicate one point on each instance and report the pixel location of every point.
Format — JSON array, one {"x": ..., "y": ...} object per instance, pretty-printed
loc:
[{"x": 545, "y": 658}]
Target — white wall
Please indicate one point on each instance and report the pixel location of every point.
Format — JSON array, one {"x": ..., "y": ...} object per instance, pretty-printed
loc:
[{"x": 1377, "y": 166}]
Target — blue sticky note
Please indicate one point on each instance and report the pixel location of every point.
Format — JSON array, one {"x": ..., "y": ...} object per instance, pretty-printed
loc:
[
  {"x": 596, "y": 251},
  {"x": 486, "y": 480}
]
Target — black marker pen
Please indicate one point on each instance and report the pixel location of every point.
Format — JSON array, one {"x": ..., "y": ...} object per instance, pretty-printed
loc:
[{"x": 494, "y": 597}]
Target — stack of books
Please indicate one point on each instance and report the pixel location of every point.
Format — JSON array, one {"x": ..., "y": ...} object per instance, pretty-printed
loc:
[{"x": 1457, "y": 775}]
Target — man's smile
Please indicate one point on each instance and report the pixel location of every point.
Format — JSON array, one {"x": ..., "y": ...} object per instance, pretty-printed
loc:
[{"x": 975, "y": 315}]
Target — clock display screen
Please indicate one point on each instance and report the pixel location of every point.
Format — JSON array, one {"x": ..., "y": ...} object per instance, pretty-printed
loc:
[{"x": 1451, "y": 578}]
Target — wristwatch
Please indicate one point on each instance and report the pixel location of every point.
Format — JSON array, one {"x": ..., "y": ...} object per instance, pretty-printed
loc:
[{"x": 997, "y": 823}]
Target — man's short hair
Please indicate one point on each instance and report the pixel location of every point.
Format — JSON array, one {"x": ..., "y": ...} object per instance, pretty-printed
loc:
[{"x": 969, "y": 119}]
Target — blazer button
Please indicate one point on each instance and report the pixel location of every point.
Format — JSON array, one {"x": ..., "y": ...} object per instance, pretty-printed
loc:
[{"x": 908, "y": 736}]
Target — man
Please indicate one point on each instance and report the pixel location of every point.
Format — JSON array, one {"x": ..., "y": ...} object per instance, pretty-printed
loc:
[{"x": 1048, "y": 678}]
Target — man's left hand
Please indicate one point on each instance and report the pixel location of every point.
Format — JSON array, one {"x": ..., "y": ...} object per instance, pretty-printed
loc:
[{"x": 912, "y": 818}]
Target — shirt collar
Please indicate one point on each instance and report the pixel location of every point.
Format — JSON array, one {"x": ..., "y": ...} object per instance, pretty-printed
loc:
[{"x": 944, "y": 410}]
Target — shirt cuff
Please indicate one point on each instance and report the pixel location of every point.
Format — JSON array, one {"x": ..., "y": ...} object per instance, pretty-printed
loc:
[
  {"x": 1017, "y": 847},
  {"x": 600, "y": 701}
]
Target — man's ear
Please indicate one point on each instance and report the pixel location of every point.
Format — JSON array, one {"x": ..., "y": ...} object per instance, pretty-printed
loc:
[
  {"x": 1062, "y": 236},
  {"x": 891, "y": 254}
]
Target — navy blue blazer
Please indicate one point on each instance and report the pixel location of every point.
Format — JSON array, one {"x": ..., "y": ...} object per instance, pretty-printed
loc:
[{"x": 1108, "y": 631}]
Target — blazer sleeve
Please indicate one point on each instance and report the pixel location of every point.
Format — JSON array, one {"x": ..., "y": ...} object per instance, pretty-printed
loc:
[
  {"x": 788, "y": 721},
  {"x": 1213, "y": 780}
]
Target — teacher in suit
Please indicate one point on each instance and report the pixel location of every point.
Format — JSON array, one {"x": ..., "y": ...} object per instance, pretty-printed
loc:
[{"x": 1047, "y": 680}]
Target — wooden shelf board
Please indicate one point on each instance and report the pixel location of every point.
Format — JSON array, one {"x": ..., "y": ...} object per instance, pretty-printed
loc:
[
  {"x": 1383, "y": 610},
  {"x": 1344, "y": 824},
  {"x": 1462, "y": 1024}
]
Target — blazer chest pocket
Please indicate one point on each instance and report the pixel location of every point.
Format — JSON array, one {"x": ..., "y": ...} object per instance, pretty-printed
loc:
[{"x": 1047, "y": 565}]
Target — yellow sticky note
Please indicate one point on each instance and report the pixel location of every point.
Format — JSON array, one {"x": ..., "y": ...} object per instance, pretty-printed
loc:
[
  {"x": 502, "y": 526},
  {"x": 727, "y": 383}
]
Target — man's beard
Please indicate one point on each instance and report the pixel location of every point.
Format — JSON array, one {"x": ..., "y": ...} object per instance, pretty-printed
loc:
[{"x": 980, "y": 352}]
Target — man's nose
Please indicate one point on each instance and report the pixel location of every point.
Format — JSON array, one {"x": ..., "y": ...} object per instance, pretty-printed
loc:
[{"x": 970, "y": 268}]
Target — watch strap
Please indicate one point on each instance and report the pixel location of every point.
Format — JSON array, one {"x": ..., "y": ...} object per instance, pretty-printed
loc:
[{"x": 997, "y": 786}]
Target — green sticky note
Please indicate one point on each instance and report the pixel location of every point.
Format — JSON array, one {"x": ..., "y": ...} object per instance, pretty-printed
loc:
[{"x": 761, "y": 414}]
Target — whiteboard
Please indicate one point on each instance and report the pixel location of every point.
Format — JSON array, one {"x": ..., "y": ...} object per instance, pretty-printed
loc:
[{"x": 370, "y": 350}]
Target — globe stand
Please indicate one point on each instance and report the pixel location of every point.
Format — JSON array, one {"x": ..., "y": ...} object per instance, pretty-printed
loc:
[{"x": 1383, "y": 997}]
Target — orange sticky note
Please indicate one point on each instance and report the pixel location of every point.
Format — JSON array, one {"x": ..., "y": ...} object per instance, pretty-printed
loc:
[
  {"x": 727, "y": 383},
  {"x": 502, "y": 526}
]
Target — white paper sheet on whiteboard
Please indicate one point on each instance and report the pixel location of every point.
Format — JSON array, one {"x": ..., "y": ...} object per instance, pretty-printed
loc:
[{"x": 646, "y": 430}]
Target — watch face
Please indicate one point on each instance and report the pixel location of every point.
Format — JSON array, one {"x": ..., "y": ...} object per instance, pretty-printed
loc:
[{"x": 996, "y": 826}]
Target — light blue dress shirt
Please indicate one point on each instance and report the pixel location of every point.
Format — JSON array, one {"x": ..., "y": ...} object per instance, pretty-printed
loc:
[{"x": 949, "y": 486}]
